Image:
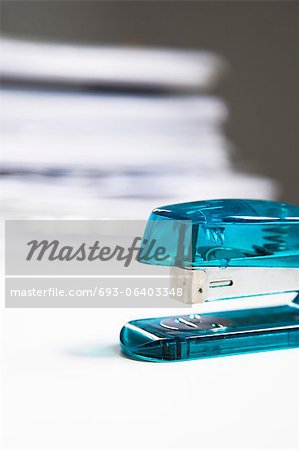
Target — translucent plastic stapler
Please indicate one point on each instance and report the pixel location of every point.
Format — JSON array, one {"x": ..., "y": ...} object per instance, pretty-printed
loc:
[{"x": 223, "y": 249}]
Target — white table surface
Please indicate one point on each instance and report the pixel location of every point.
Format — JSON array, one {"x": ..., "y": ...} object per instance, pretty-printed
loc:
[{"x": 67, "y": 386}]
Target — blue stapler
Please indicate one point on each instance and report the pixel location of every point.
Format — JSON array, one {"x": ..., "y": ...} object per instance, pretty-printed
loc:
[{"x": 223, "y": 249}]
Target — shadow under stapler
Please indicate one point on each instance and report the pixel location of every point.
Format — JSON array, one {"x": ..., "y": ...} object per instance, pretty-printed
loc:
[{"x": 95, "y": 351}]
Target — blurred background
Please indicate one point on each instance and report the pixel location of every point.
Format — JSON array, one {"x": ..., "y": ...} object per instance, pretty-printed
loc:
[{"x": 110, "y": 109}]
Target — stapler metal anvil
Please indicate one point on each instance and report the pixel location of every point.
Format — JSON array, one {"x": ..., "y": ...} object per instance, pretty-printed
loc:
[{"x": 223, "y": 249}]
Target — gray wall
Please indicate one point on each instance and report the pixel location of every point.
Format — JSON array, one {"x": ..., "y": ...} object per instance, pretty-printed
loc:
[{"x": 259, "y": 39}]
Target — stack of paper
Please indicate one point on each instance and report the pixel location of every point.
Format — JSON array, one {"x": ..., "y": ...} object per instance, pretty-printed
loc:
[{"x": 113, "y": 152}]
